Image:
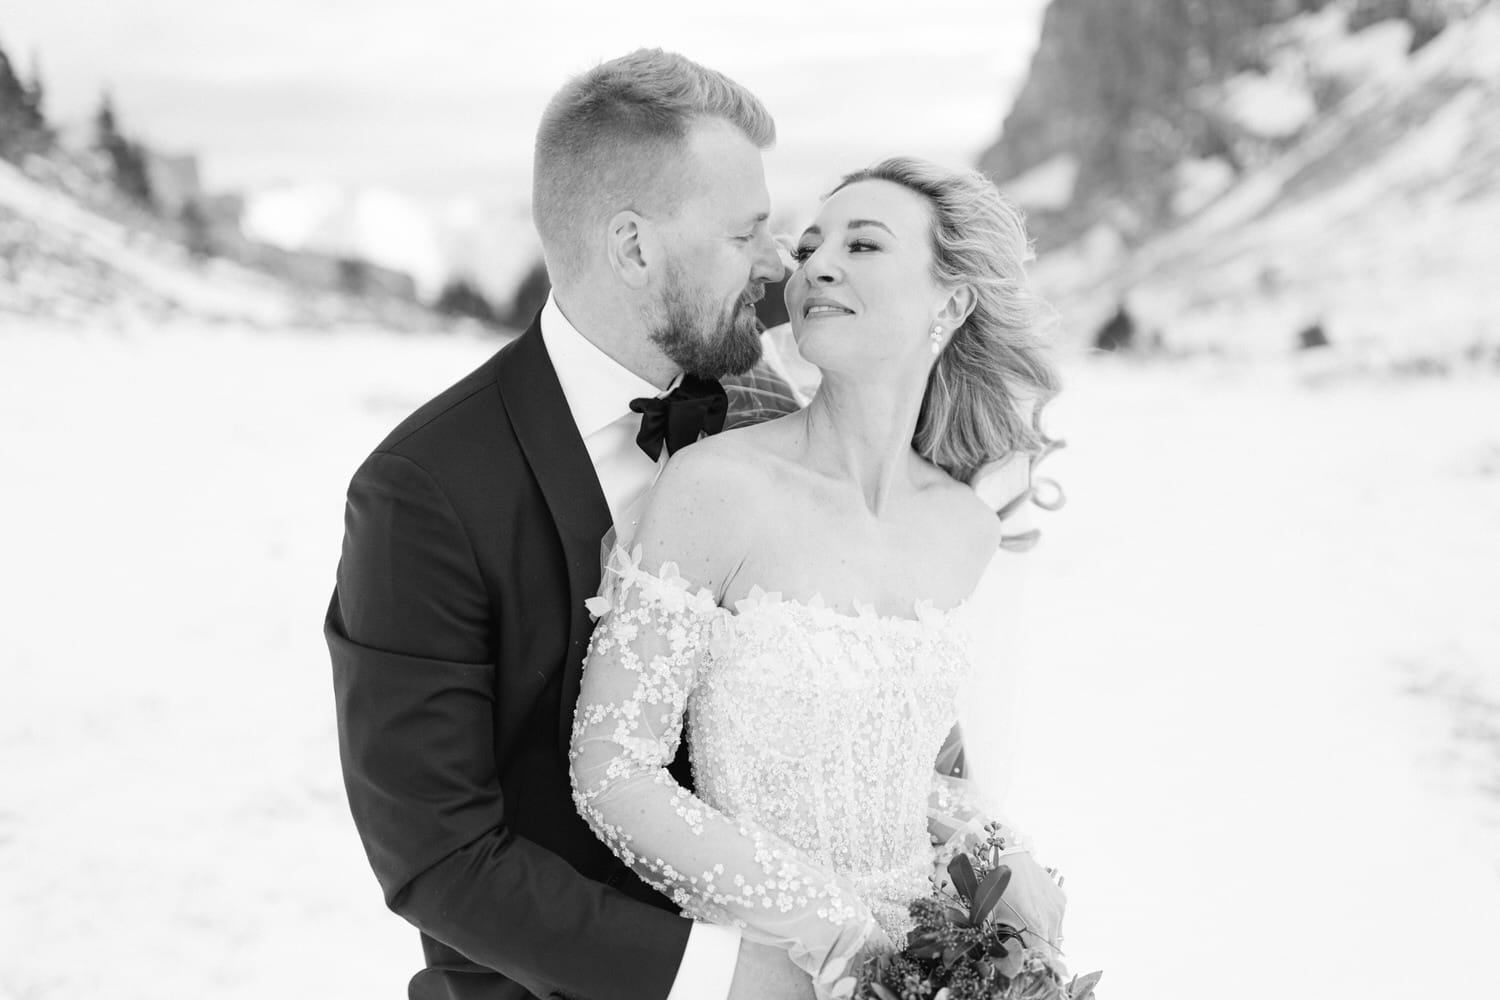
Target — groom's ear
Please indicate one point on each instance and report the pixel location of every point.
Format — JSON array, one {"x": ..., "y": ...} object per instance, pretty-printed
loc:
[
  {"x": 958, "y": 307},
  {"x": 626, "y": 240}
]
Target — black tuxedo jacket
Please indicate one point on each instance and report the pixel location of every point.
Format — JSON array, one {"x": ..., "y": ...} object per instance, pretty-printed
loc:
[{"x": 458, "y": 631}]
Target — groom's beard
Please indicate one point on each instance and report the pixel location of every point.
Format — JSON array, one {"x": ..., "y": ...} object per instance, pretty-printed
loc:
[{"x": 708, "y": 344}]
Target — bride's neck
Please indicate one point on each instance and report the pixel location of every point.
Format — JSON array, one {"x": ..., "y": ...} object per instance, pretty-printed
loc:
[{"x": 860, "y": 430}]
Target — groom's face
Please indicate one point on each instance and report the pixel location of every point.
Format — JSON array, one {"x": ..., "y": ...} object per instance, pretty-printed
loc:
[{"x": 719, "y": 256}]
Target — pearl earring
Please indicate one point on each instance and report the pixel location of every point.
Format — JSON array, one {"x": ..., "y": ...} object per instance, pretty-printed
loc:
[{"x": 937, "y": 338}]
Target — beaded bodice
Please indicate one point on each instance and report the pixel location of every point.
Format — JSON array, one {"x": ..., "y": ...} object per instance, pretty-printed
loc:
[
  {"x": 812, "y": 732},
  {"x": 823, "y": 727}
]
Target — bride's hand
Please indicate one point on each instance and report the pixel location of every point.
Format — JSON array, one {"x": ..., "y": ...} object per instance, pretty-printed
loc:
[
  {"x": 765, "y": 972},
  {"x": 877, "y": 944},
  {"x": 841, "y": 982},
  {"x": 1034, "y": 901}
]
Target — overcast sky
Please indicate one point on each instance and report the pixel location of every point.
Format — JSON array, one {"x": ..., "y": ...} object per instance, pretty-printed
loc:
[{"x": 441, "y": 97}]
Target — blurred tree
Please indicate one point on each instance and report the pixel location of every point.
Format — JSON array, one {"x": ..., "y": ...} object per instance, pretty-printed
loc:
[
  {"x": 354, "y": 276},
  {"x": 196, "y": 233},
  {"x": 1312, "y": 336},
  {"x": 23, "y": 125},
  {"x": 36, "y": 94},
  {"x": 1118, "y": 333},
  {"x": 127, "y": 159},
  {"x": 460, "y": 297},
  {"x": 531, "y": 294}
]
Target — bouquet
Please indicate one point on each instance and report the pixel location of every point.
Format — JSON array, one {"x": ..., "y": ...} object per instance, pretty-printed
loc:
[{"x": 961, "y": 950}]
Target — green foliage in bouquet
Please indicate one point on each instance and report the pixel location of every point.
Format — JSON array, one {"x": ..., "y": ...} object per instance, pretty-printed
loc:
[{"x": 960, "y": 950}]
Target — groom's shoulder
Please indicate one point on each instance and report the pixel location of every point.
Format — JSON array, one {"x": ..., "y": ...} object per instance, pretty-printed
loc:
[{"x": 461, "y": 414}]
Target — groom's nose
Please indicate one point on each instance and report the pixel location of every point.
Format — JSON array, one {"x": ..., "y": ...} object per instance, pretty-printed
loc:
[{"x": 768, "y": 267}]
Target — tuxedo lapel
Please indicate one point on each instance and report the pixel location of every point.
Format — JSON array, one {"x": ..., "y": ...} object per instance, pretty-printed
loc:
[{"x": 549, "y": 438}]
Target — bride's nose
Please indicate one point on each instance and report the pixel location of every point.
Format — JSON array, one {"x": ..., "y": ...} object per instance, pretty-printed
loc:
[{"x": 821, "y": 267}]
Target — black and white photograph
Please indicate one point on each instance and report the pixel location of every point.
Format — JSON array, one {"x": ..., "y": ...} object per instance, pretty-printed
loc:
[{"x": 969, "y": 500}]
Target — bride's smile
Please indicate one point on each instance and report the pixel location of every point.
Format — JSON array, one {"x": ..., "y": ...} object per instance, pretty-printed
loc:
[{"x": 863, "y": 295}]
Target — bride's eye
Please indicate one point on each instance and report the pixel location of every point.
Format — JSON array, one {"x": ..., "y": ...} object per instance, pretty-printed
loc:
[
  {"x": 801, "y": 254},
  {"x": 860, "y": 246}
]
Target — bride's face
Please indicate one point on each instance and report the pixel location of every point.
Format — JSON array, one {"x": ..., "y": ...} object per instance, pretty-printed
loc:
[{"x": 863, "y": 291}]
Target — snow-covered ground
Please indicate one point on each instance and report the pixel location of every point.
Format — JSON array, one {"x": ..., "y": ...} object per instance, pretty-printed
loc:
[
  {"x": 1263, "y": 737},
  {"x": 1265, "y": 710}
]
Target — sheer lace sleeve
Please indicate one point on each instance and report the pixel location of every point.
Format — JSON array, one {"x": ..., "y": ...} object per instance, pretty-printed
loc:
[{"x": 652, "y": 640}]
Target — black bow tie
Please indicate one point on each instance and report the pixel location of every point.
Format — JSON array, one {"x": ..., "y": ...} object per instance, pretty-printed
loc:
[{"x": 697, "y": 406}]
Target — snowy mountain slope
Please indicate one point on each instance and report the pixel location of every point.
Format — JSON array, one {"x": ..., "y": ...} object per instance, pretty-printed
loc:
[
  {"x": 62, "y": 261},
  {"x": 65, "y": 261},
  {"x": 1382, "y": 221}
]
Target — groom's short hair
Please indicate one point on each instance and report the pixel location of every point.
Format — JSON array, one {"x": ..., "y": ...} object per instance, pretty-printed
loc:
[{"x": 609, "y": 137}]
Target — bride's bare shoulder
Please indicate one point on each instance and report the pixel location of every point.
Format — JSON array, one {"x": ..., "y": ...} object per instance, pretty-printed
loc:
[
  {"x": 719, "y": 469},
  {"x": 958, "y": 514},
  {"x": 702, "y": 510}
]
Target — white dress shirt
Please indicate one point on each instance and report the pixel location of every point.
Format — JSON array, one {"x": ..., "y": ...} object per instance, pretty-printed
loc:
[{"x": 599, "y": 390}]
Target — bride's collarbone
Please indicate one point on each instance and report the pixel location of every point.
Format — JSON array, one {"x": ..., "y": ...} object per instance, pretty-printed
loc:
[
  {"x": 944, "y": 521},
  {"x": 812, "y": 536},
  {"x": 847, "y": 568}
]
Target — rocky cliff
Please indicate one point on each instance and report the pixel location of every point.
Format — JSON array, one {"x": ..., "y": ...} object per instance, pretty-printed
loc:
[
  {"x": 1329, "y": 168},
  {"x": 1125, "y": 98}
]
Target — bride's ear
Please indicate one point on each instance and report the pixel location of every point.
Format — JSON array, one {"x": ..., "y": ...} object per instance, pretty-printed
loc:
[
  {"x": 628, "y": 248},
  {"x": 958, "y": 307}
]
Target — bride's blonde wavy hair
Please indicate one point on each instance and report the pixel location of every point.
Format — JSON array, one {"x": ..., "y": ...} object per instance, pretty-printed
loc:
[{"x": 989, "y": 385}]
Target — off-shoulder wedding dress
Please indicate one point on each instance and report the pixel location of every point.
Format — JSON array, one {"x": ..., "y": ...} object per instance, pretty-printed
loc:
[{"x": 813, "y": 735}]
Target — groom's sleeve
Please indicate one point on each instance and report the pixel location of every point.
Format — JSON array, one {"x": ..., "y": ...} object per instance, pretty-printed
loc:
[
  {"x": 708, "y": 963},
  {"x": 412, "y": 643}
]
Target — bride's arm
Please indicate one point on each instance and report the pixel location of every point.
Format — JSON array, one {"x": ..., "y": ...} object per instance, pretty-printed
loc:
[{"x": 657, "y": 626}]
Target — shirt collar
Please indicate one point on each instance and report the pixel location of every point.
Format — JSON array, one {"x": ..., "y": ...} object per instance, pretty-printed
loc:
[{"x": 597, "y": 387}]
